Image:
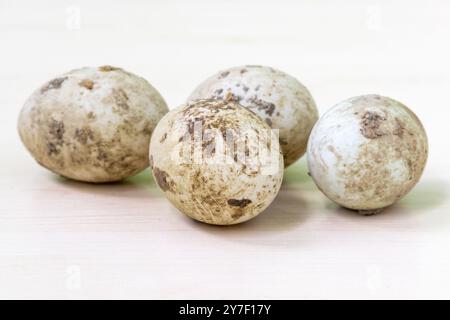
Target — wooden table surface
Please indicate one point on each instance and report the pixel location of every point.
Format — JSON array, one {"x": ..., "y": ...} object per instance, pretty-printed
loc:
[{"x": 65, "y": 239}]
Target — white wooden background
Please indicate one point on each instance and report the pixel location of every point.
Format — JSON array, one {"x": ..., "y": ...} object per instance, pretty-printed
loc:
[{"x": 63, "y": 239}]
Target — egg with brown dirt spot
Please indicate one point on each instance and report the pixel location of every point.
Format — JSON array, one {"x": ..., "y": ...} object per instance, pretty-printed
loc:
[
  {"x": 92, "y": 124},
  {"x": 367, "y": 152},
  {"x": 278, "y": 98},
  {"x": 216, "y": 161}
]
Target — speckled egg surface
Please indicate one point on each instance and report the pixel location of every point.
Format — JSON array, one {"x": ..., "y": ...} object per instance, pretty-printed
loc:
[
  {"x": 92, "y": 124},
  {"x": 216, "y": 161},
  {"x": 278, "y": 98},
  {"x": 367, "y": 152}
]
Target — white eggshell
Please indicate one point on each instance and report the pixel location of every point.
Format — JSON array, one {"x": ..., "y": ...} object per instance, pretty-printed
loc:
[
  {"x": 92, "y": 124},
  {"x": 278, "y": 98},
  {"x": 367, "y": 152},
  {"x": 216, "y": 161}
]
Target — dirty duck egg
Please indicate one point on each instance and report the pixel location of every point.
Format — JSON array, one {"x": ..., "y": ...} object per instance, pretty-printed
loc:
[
  {"x": 216, "y": 161},
  {"x": 367, "y": 152},
  {"x": 278, "y": 98},
  {"x": 92, "y": 124}
]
